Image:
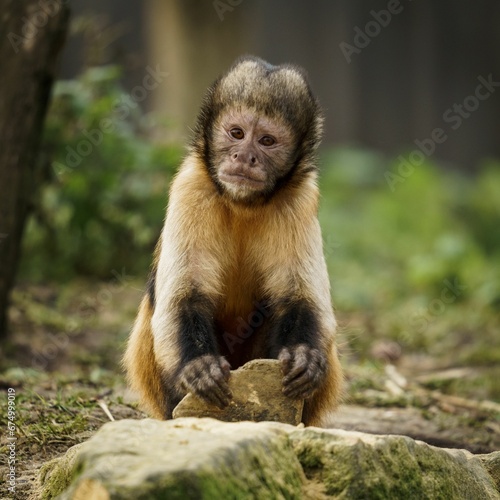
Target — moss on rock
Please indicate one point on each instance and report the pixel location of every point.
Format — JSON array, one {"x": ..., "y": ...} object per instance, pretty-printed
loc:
[
  {"x": 208, "y": 459},
  {"x": 358, "y": 466}
]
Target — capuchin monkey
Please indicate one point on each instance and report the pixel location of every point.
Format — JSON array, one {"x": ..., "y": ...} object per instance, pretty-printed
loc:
[{"x": 239, "y": 271}]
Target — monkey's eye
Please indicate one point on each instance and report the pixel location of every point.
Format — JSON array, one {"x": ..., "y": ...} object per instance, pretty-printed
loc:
[
  {"x": 267, "y": 140},
  {"x": 237, "y": 133}
]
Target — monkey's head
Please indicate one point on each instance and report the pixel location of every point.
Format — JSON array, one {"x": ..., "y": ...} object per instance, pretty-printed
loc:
[{"x": 258, "y": 129}]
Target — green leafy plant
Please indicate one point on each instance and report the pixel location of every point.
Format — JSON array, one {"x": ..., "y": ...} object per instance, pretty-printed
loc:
[{"x": 105, "y": 182}]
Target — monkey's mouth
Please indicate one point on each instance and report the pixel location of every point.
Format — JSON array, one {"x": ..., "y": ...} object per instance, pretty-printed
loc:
[{"x": 238, "y": 179}]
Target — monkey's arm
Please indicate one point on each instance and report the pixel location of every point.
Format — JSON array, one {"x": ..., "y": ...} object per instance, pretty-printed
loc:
[
  {"x": 184, "y": 340},
  {"x": 303, "y": 325},
  {"x": 296, "y": 341},
  {"x": 202, "y": 371},
  {"x": 187, "y": 286}
]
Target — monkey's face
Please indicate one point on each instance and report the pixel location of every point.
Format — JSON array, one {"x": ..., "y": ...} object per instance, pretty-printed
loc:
[{"x": 251, "y": 152}]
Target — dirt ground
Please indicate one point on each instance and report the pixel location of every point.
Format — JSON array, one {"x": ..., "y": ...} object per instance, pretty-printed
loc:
[{"x": 63, "y": 363}]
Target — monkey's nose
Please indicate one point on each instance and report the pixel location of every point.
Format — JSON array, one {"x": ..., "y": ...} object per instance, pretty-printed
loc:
[{"x": 249, "y": 158}]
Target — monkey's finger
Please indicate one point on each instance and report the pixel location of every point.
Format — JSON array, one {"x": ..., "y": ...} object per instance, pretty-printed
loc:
[
  {"x": 216, "y": 398},
  {"x": 225, "y": 367},
  {"x": 306, "y": 359},
  {"x": 300, "y": 365},
  {"x": 296, "y": 385},
  {"x": 302, "y": 392},
  {"x": 220, "y": 381},
  {"x": 208, "y": 390},
  {"x": 304, "y": 386},
  {"x": 285, "y": 356},
  {"x": 223, "y": 394},
  {"x": 306, "y": 382}
]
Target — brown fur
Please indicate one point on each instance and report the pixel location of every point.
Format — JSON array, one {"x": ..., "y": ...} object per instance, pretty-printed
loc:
[
  {"x": 227, "y": 251},
  {"x": 143, "y": 372},
  {"x": 233, "y": 253}
]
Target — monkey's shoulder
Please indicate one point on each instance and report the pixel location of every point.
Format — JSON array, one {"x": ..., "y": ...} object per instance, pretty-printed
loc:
[{"x": 192, "y": 184}]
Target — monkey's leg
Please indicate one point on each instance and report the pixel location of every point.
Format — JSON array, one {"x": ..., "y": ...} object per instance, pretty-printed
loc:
[{"x": 143, "y": 372}]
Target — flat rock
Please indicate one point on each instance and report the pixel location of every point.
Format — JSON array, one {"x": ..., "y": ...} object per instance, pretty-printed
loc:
[
  {"x": 257, "y": 396},
  {"x": 446, "y": 431},
  {"x": 190, "y": 458}
]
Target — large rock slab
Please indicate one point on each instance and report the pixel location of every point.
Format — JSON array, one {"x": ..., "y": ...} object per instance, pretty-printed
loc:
[
  {"x": 185, "y": 458},
  {"x": 354, "y": 465},
  {"x": 193, "y": 458},
  {"x": 257, "y": 396}
]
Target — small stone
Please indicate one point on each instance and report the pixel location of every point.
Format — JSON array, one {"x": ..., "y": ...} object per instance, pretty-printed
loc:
[{"x": 257, "y": 396}]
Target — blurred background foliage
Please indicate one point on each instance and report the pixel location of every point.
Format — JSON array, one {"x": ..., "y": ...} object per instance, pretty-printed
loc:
[
  {"x": 101, "y": 206},
  {"x": 420, "y": 264}
]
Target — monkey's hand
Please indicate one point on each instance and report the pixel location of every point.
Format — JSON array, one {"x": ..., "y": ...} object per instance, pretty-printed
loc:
[
  {"x": 207, "y": 377},
  {"x": 304, "y": 370}
]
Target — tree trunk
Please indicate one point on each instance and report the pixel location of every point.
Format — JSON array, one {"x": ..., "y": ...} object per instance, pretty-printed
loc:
[{"x": 32, "y": 33}]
